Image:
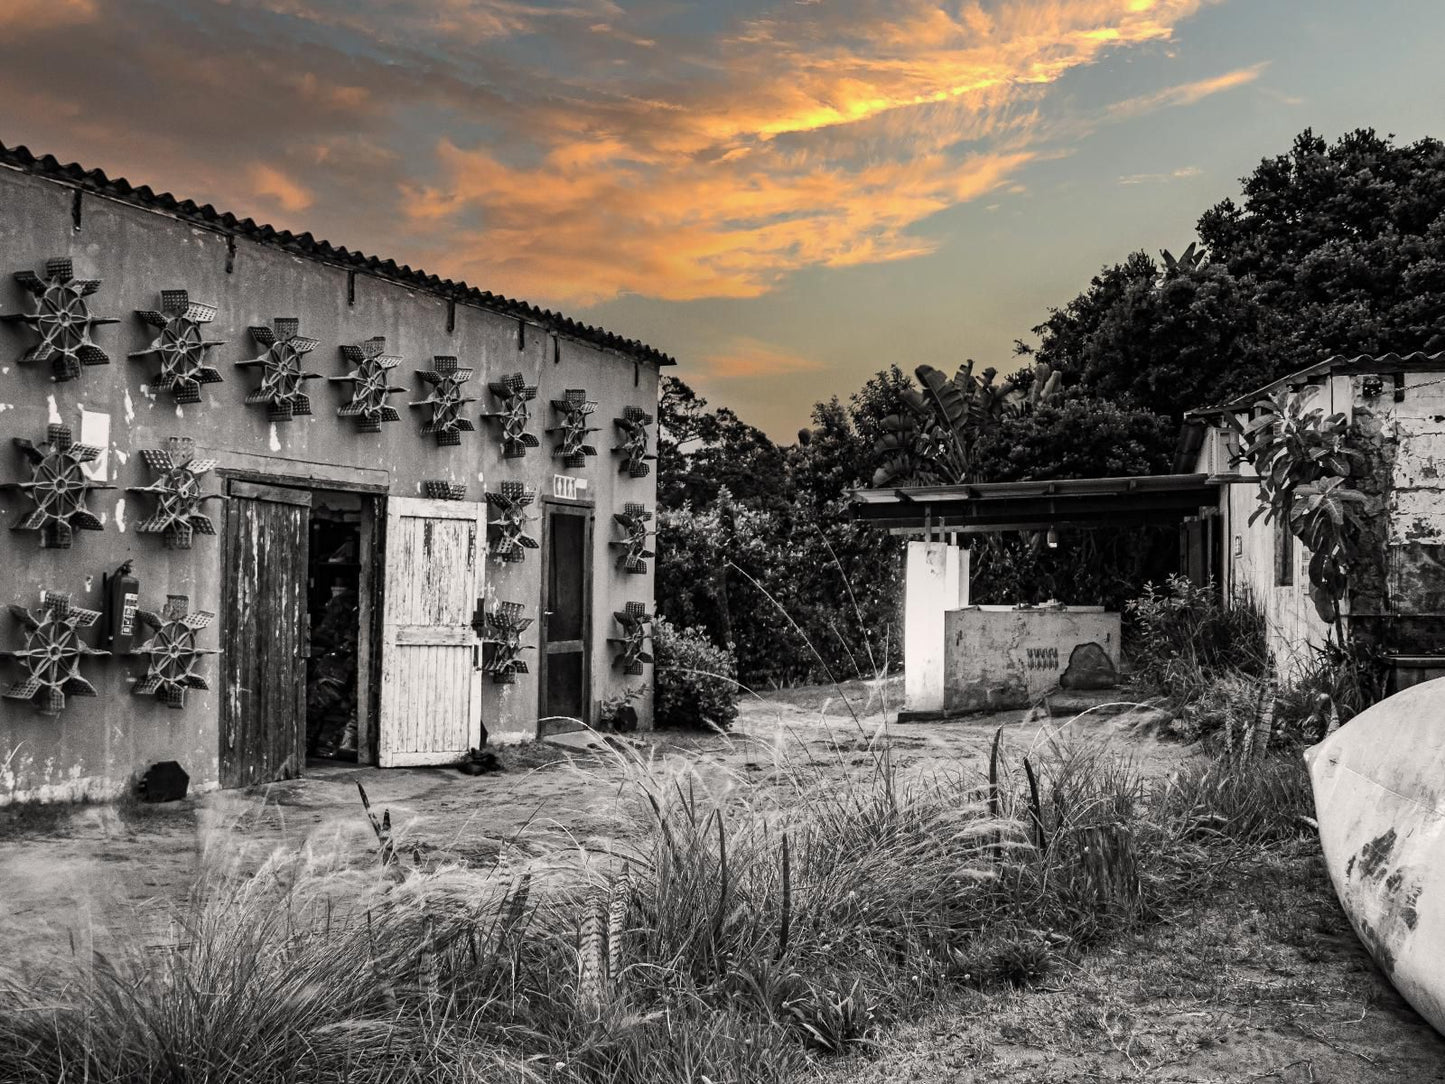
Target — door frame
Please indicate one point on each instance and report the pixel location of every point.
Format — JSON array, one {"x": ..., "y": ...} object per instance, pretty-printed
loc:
[
  {"x": 370, "y": 584},
  {"x": 579, "y": 508}
]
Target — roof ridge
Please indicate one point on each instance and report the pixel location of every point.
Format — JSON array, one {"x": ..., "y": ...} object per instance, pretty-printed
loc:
[{"x": 95, "y": 180}]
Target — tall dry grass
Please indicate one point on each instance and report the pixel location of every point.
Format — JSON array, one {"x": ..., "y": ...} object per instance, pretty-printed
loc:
[{"x": 752, "y": 928}]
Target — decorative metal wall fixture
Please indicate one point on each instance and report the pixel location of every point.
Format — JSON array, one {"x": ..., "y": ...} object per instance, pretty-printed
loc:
[
  {"x": 178, "y": 493},
  {"x": 370, "y": 371},
  {"x": 573, "y": 409},
  {"x": 446, "y": 400},
  {"x": 501, "y": 631},
  {"x": 52, "y": 653},
  {"x": 438, "y": 490},
  {"x": 180, "y": 347},
  {"x": 634, "y": 519},
  {"x": 59, "y": 486},
  {"x": 633, "y": 426},
  {"x": 510, "y": 540},
  {"x": 282, "y": 377},
  {"x": 634, "y": 620},
  {"x": 171, "y": 669},
  {"x": 62, "y": 319},
  {"x": 513, "y": 394}
]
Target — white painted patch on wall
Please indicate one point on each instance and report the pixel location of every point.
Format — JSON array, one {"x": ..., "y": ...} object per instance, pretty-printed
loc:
[
  {"x": 179, "y": 412},
  {"x": 54, "y": 418},
  {"x": 95, "y": 431},
  {"x": 89, "y": 583},
  {"x": 129, "y": 408},
  {"x": 6, "y": 406},
  {"x": 275, "y": 442},
  {"x": 121, "y": 456},
  {"x": 120, "y": 515}
]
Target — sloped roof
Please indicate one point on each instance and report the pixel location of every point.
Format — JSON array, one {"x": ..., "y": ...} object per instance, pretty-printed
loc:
[
  {"x": 95, "y": 180},
  {"x": 1338, "y": 364}
]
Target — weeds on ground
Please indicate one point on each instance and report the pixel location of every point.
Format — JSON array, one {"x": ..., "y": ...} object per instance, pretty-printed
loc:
[{"x": 754, "y": 929}]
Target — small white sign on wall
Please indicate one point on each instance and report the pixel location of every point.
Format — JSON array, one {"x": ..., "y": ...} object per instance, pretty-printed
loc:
[
  {"x": 95, "y": 430},
  {"x": 564, "y": 486}
]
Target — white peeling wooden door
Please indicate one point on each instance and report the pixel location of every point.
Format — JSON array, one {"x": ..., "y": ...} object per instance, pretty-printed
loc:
[{"x": 431, "y": 708}]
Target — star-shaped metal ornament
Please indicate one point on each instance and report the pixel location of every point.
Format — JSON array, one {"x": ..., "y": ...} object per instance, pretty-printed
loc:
[
  {"x": 178, "y": 493},
  {"x": 58, "y": 486},
  {"x": 282, "y": 377},
  {"x": 633, "y": 519},
  {"x": 180, "y": 346},
  {"x": 510, "y": 541},
  {"x": 513, "y": 394},
  {"x": 370, "y": 374},
  {"x": 62, "y": 319},
  {"x": 633, "y": 428},
  {"x": 634, "y": 619},
  {"x": 446, "y": 400},
  {"x": 501, "y": 631},
  {"x": 573, "y": 410},
  {"x": 52, "y": 653},
  {"x": 174, "y": 656}
]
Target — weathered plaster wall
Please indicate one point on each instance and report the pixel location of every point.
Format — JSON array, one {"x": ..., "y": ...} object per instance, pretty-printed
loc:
[
  {"x": 1400, "y": 594},
  {"x": 96, "y": 745},
  {"x": 935, "y": 581},
  {"x": 998, "y": 657}
]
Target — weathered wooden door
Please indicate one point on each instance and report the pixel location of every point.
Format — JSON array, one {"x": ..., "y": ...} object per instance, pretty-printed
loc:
[
  {"x": 566, "y": 640},
  {"x": 263, "y": 703},
  {"x": 431, "y": 708}
]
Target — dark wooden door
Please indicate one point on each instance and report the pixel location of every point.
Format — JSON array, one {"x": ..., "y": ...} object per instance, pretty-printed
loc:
[
  {"x": 565, "y": 646},
  {"x": 263, "y": 703}
]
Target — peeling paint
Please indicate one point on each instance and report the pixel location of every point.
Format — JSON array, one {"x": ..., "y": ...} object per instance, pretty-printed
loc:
[
  {"x": 1374, "y": 855},
  {"x": 54, "y": 417},
  {"x": 119, "y": 516},
  {"x": 275, "y": 442},
  {"x": 129, "y": 408}
]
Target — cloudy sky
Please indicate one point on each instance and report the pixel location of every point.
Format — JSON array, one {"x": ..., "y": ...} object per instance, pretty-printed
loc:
[{"x": 785, "y": 194}]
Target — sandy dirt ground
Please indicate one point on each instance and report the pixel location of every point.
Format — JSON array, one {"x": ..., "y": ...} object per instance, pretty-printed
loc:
[{"x": 1270, "y": 986}]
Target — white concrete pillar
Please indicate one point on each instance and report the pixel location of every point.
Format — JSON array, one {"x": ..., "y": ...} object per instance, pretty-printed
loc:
[{"x": 936, "y": 581}]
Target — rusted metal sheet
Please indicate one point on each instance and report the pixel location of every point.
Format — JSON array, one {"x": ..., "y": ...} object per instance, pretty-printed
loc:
[
  {"x": 1379, "y": 786},
  {"x": 430, "y": 687},
  {"x": 263, "y": 719}
]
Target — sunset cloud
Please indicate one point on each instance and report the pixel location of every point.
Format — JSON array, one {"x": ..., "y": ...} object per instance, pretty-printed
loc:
[
  {"x": 750, "y": 359},
  {"x": 573, "y": 151}
]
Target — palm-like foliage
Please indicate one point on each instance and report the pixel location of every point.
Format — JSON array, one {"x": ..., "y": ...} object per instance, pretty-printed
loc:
[{"x": 931, "y": 441}]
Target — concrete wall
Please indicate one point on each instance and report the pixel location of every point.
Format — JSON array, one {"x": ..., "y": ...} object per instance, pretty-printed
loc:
[
  {"x": 1403, "y": 594},
  {"x": 96, "y": 745},
  {"x": 935, "y": 581},
  {"x": 999, "y": 657}
]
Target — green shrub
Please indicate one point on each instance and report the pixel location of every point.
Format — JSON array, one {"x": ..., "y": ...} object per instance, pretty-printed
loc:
[
  {"x": 1180, "y": 637},
  {"x": 695, "y": 682}
]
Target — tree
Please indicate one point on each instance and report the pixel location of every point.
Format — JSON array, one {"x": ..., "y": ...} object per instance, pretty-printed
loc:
[{"x": 701, "y": 452}]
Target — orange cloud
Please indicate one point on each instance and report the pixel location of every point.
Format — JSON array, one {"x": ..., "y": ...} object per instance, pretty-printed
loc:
[
  {"x": 18, "y": 16},
  {"x": 1187, "y": 93},
  {"x": 269, "y": 181},
  {"x": 746, "y": 358}
]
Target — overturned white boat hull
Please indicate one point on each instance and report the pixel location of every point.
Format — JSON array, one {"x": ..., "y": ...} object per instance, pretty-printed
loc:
[{"x": 1379, "y": 786}]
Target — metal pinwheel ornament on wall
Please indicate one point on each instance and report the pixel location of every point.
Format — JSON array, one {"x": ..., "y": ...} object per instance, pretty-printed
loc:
[
  {"x": 633, "y": 519},
  {"x": 180, "y": 347},
  {"x": 52, "y": 653},
  {"x": 438, "y": 489},
  {"x": 513, "y": 394},
  {"x": 62, "y": 319},
  {"x": 369, "y": 376},
  {"x": 446, "y": 400},
  {"x": 58, "y": 486},
  {"x": 282, "y": 377},
  {"x": 501, "y": 631},
  {"x": 171, "y": 670},
  {"x": 573, "y": 410},
  {"x": 633, "y": 429},
  {"x": 634, "y": 620},
  {"x": 178, "y": 493},
  {"x": 510, "y": 541}
]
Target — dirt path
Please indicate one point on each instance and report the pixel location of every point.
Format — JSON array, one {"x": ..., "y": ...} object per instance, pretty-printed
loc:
[{"x": 70, "y": 875}]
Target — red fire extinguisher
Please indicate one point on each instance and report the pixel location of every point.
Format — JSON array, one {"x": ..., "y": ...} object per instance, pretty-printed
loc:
[{"x": 122, "y": 596}]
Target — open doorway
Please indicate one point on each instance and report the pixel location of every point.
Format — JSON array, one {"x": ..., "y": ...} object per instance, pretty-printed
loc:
[{"x": 334, "y": 612}]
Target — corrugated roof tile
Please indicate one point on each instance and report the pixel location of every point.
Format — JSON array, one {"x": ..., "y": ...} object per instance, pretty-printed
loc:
[{"x": 95, "y": 180}]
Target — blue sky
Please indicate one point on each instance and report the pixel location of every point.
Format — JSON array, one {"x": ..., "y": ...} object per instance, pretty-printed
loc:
[{"x": 787, "y": 196}]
